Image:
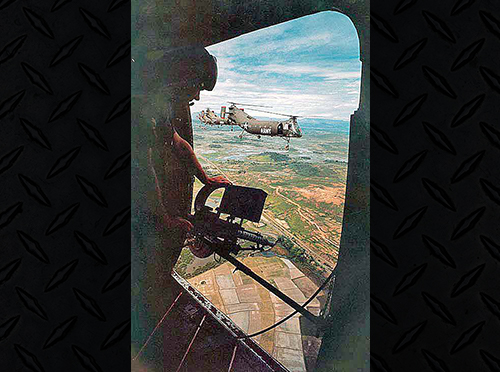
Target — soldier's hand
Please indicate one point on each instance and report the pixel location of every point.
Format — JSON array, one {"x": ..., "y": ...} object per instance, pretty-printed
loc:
[{"x": 218, "y": 180}]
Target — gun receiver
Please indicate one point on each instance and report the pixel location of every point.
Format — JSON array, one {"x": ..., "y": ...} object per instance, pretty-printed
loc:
[{"x": 238, "y": 202}]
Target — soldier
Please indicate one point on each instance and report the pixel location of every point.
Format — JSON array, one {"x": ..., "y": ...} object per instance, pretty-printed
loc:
[
  {"x": 165, "y": 139},
  {"x": 201, "y": 116},
  {"x": 212, "y": 116},
  {"x": 204, "y": 117},
  {"x": 163, "y": 165}
]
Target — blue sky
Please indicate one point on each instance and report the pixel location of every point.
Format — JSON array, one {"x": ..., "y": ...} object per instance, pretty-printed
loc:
[{"x": 309, "y": 66}]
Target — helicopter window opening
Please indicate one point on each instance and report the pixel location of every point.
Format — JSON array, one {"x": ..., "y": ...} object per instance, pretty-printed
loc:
[{"x": 306, "y": 67}]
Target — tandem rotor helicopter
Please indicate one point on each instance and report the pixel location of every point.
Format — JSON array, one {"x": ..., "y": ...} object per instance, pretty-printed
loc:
[{"x": 286, "y": 129}]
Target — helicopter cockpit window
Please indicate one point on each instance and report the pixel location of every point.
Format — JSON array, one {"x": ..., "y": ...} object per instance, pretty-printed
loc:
[{"x": 305, "y": 74}]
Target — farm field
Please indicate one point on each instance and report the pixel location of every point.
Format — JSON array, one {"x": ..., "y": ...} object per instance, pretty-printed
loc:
[
  {"x": 305, "y": 187},
  {"x": 304, "y": 207},
  {"x": 252, "y": 308}
]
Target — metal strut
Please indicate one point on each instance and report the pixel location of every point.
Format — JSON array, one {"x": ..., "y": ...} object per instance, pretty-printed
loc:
[
  {"x": 157, "y": 326},
  {"x": 287, "y": 146},
  {"x": 191, "y": 343},
  {"x": 232, "y": 358}
]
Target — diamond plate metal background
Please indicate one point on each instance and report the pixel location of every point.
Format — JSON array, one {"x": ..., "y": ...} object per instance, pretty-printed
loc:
[
  {"x": 64, "y": 174},
  {"x": 435, "y": 292},
  {"x": 65, "y": 181}
]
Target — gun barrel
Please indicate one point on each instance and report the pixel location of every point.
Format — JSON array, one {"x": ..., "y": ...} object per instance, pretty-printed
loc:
[
  {"x": 252, "y": 237},
  {"x": 211, "y": 225}
]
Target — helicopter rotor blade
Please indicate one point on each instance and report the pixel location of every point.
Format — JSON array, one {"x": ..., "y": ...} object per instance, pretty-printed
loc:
[
  {"x": 243, "y": 104},
  {"x": 291, "y": 116},
  {"x": 276, "y": 113},
  {"x": 313, "y": 117}
]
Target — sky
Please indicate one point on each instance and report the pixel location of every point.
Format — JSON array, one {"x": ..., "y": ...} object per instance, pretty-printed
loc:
[{"x": 309, "y": 67}]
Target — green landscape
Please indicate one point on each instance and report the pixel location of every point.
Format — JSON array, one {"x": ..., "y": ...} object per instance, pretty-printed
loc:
[{"x": 305, "y": 187}]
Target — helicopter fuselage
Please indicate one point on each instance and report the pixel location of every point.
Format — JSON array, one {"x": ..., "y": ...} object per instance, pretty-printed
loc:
[{"x": 287, "y": 128}]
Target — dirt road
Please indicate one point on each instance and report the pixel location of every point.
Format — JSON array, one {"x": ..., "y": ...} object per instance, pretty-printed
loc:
[{"x": 268, "y": 217}]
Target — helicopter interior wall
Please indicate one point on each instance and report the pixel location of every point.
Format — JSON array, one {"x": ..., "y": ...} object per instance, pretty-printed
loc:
[{"x": 213, "y": 21}]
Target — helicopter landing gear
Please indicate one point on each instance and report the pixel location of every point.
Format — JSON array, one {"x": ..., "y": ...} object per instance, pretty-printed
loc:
[
  {"x": 287, "y": 146},
  {"x": 241, "y": 134}
]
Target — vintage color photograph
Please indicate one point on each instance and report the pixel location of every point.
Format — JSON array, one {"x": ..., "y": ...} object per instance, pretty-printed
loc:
[{"x": 250, "y": 198}]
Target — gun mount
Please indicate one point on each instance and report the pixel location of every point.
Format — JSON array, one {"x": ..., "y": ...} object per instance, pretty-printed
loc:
[
  {"x": 211, "y": 230},
  {"x": 213, "y": 234}
]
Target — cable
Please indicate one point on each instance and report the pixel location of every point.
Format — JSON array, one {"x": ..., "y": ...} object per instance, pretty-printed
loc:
[
  {"x": 232, "y": 358},
  {"x": 158, "y": 325},
  {"x": 191, "y": 343},
  {"x": 295, "y": 312}
]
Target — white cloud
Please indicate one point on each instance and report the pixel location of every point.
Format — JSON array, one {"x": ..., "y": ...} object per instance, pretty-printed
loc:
[
  {"x": 302, "y": 67},
  {"x": 328, "y": 72}
]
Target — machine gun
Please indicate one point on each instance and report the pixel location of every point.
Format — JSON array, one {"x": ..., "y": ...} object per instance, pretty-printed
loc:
[
  {"x": 210, "y": 230},
  {"x": 213, "y": 234}
]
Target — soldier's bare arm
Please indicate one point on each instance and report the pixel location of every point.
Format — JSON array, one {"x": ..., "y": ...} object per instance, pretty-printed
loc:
[{"x": 184, "y": 151}]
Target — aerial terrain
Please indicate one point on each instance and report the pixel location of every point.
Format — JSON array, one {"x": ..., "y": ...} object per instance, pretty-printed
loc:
[
  {"x": 305, "y": 187},
  {"x": 304, "y": 206},
  {"x": 253, "y": 308}
]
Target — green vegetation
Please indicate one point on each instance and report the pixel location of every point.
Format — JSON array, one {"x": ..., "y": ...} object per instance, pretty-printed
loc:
[
  {"x": 276, "y": 157},
  {"x": 298, "y": 226},
  {"x": 269, "y": 157},
  {"x": 313, "y": 162},
  {"x": 277, "y": 205},
  {"x": 286, "y": 242},
  {"x": 305, "y": 169},
  {"x": 201, "y": 269},
  {"x": 185, "y": 259},
  {"x": 298, "y": 253},
  {"x": 304, "y": 262}
]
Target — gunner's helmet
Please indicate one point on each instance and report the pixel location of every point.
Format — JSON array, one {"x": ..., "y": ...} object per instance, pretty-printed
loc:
[
  {"x": 177, "y": 68},
  {"x": 190, "y": 67}
]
